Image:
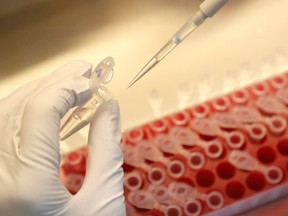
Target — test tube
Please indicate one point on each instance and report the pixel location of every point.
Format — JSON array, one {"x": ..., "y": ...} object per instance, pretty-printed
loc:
[
  {"x": 240, "y": 116},
  {"x": 83, "y": 114},
  {"x": 151, "y": 152},
  {"x": 240, "y": 96},
  {"x": 159, "y": 126},
  {"x": 208, "y": 127},
  {"x": 181, "y": 191},
  {"x": 257, "y": 132},
  {"x": 214, "y": 200},
  {"x": 196, "y": 160},
  {"x": 155, "y": 174},
  {"x": 179, "y": 136},
  {"x": 73, "y": 182},
  {"x": 214, "y": 149},
  {"x": 277, "y": 124},
  {"x": 74, "y": 158},
  {"x": 74, "y": 162},
  {"x": 235, "y": 139},
  {"x": 184, "y": 192},
  {"x": 160, "y": 193},
  {"x": 278, "y": 82},
  {"x": 175, "y": 168},
  {"x": 184, "y": 93},
  {"x": 135, "y": 135},
  {"x": 245, "y": 115},
  {"x": 180, "y": 118},
  {"x": 282, "y": 94},
  {"x": 169, "y": 146},
  {"x": 273, "y": 174},
  {"x": 173, "y": 210},
  {"x": 205, "y": 86},
  {"x": 260, "y": 89},
  {"x": 133, "y": 181},
  {"x": 244, "y": 161},
  {"x": 271, "y": 105},
  {"x": 221, "y": 104},
  {"x": 155, "y": 102},
  {"x": 205, "y": 126},
  {"x": 200, "y": 111},
  {"x": 144, "y": 200},
  {"x": 192, "y": 207}
]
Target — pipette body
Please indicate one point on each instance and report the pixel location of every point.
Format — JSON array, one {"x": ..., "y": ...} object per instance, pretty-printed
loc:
[{"x": 207, "y": 9}]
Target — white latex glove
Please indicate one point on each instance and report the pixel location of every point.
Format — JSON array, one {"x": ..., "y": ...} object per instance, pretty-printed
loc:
[{"x": 29, "y": 150}]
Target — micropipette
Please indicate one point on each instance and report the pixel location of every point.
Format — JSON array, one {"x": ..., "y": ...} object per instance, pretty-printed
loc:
[{"x": 207, "y": 9}]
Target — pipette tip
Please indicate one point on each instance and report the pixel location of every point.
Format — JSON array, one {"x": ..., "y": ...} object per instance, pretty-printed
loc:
[
  {"x": 144, "y": 70},
  {"x": 135, "y": 79}
]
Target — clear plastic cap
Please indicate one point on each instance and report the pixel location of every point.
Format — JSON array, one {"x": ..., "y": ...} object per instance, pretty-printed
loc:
[{"x": 101, "y": 75}]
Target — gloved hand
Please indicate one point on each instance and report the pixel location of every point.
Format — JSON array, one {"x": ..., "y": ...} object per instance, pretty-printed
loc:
[{"x": 29, "y": 150}]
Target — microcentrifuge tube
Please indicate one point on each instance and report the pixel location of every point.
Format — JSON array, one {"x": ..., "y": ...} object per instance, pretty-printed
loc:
[
  {"x": 244, "y": 161},
  {"x": 82, "y": 115},
  {"x": 184, "y": 93},
  {"x": 133, "y": 157},
  {"x": 184, "y": 192},
  {"x": 230, "y": 81},
  {"x": 205, "y": 86},
  {"x": 282, "y": 94},
  {"x": 186, "y": 137},
  {"x": 155, "y": 102},
  {"x": 271, "y": 105}
]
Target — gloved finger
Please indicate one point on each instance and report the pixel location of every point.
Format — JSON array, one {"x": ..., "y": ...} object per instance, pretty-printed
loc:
[
  {"x": 102, "y": 189},
  {"x": 40, "y": 125},
  {"x": 11, "y": 108},
  {"x": 7, "y": 103},
  {"x": 24, "y": 93}
]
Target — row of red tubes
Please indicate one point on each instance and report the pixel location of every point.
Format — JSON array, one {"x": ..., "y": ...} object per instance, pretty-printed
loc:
[
  {"x": 276, "y": 124},
  {"x": 225, "y": 170}
]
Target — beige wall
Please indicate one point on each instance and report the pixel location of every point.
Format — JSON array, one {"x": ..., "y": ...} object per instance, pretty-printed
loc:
[{"x": 35, "y": 38}]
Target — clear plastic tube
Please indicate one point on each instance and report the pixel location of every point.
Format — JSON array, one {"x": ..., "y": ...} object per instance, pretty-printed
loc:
[{"x": 82, "y": 115}]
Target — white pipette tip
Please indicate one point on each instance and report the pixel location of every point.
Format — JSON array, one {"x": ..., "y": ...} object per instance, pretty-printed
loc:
[{"x": 144, "y": 70}]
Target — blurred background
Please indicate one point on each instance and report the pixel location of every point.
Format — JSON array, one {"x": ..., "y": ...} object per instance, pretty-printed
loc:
[
  {"x": 244, "y": 42},
  {"x": 36, "y": 37}
]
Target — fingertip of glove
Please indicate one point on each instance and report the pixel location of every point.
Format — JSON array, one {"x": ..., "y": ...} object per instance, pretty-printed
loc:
[
  {"x": 106, "y": 122},
  {"x": 75, "y": 67},
  {"x": 108, "y": 110},
  {"x": 113, "y": 106}
]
